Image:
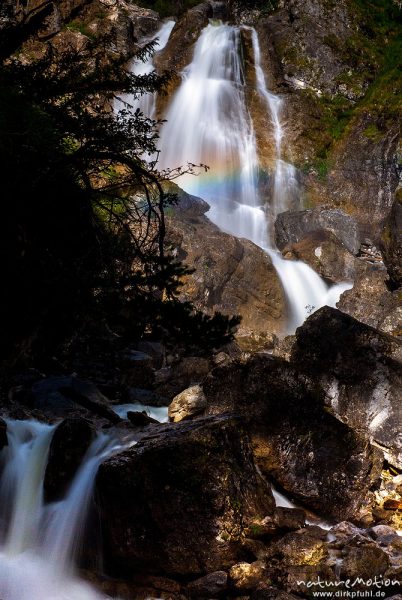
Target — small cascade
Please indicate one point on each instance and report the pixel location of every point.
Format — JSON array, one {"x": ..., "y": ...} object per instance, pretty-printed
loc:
[
  {"x": 208, "y": 123},
  {"x": 147, "y": 102},
  {"x": 40, "y": 541}
]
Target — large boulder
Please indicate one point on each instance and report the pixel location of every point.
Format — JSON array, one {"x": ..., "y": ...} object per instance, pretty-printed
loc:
[
  {"x": 187, "y": 404},
  {"x": 292, "y": 227},
  {"x": 391, "y": 242},
  {"x": 361, "y": 372},
  {"x": 179, "y": 501},
  {"x": 240, "y": 280},
  {"x": 296, "y": 441}
]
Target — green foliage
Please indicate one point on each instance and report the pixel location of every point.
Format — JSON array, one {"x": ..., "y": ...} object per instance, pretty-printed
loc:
[
  {"x": 372, "y": 133},
  {"x": 373, "y": 55},
  {"x": 78, "y": 26}
]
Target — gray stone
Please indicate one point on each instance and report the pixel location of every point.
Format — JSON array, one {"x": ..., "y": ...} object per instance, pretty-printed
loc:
[
  {"x": 190, "y": 402},
  {"x": 292, "y": 227},
  {"x": 208, "y": 586}
]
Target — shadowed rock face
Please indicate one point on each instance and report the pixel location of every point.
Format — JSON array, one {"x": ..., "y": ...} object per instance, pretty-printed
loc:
[
  {"x": 231, "y": 275},
  {"x": 391, "y": 242},
  {"x": 361, "y": 372},
  {"x": 310, "y": 453},
  {"x": 178, "y": 501}
]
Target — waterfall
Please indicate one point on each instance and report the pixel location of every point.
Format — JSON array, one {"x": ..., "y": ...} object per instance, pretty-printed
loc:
[
  {"x": 146, "y": 103},
  {"x": 208, "y": 123},
  {"x": 39, "y": 541}
]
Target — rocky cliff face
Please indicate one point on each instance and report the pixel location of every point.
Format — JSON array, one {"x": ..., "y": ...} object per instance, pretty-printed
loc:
[
  {"x": 121, "y": 25},
  {"x": 231, "y": 275},
  {"x": 341, "y": 89}
]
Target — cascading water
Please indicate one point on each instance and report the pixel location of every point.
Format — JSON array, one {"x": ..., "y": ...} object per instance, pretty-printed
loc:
[
  {"x": 305, "y": 290},
  {"x": 38, "y": 540},
  {"x": 147, "y": 102},
  {"x": 208, "y": 123}
]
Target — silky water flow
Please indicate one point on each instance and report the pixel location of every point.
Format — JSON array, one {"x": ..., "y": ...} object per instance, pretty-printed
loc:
[{"x": 39, "y": 541}]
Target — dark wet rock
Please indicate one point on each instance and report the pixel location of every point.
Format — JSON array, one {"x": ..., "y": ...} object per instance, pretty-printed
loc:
[
  {"x": 268, "y": 592},
  {"x": 282, "y": 520},
  {"x": 303, "y": 547},
  {"x": 296, "y": 441},
  {"x": 361, "y": 372},
  {"x": 155, "y": 350},
  {"x": 180, "y": 375},
  {"x": 263, "y": 528},
  {"x": 70, "y": 442},
  {"x": 147, "y": 397},
  {"x": 141, "y": 587},
  {"x": 255, "y": 548},
  {"x": 363, "y": 559},
  {"x": 345, "y": 530},
  {"x": 241, "y": 280},
  {"x": 140, "y": 419},
  {"x": 245, "y": 577},
  {"x": 187, "y": 404},
  {"x": 391, "y": 242},
  {"x": 299, "y": 578},
  {"x": 138, "y": 369},
  {"x": 208, "y": 586},
  {"x": 3, "y": 434},
  {"x": 292, "y": 227},
  {"x": 179, "y": 501},
  {"x": 289, "y": 518},
  {"x": 59, "y": 396}
]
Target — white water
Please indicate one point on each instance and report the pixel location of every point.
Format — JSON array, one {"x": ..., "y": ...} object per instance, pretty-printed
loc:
[
  {"x": 39, "y": 541},
  {"x": 147, "y": 102},
  {"x": 208, "y": 123}
]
